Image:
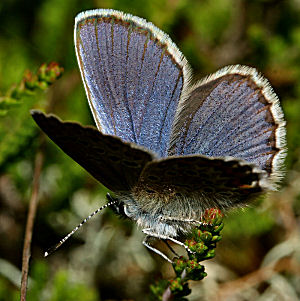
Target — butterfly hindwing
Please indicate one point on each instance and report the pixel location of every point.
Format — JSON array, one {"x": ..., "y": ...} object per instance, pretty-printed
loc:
[
  {"x": 116, "y": 164},
  {"x": 232, "y": 113},
  {"x": 133, "y": 75},
  {"x": 198, "y": 182}
]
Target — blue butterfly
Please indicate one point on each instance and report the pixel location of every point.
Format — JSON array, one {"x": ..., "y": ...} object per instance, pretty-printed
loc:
[{"x": 166, "y": 148}]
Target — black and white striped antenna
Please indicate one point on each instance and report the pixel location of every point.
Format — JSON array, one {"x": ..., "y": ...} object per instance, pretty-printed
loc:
[{"x": 55, "y": 247}]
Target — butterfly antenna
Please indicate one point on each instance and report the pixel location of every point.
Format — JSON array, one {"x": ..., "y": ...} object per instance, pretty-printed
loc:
[{"x": 55, "y": 247}]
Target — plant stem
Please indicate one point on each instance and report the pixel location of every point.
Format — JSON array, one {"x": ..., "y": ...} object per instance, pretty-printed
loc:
[{"x": 30, "y": 222}]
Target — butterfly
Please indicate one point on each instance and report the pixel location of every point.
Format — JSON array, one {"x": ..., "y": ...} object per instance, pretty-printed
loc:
[{"x": 168, "y": 149}]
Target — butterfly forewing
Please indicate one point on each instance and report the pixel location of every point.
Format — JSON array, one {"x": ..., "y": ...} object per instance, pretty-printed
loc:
[
  {"x": 232, "y": 113},
  {"x": 133, "y": 76},
  {"x": 114, "y": 163}
]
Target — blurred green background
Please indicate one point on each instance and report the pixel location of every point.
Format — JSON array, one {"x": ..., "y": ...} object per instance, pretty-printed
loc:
[{"x": 258, "y": 258}]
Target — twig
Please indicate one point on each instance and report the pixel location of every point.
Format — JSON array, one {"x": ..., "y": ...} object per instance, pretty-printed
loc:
[
  {"x": 30, "y": 221},
  {"x": 45, "y": 76},
  {"x": 167, "y": 294}
]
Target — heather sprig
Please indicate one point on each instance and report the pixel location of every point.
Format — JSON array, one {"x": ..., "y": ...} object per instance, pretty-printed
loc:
[
  {"x": 31, "y": 83},
  {"x": 202, "y": 242}
]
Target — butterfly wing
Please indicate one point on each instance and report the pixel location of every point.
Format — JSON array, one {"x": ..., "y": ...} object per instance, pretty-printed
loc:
[
  {"x": 186, "y": 186},
  {"x": 232, "y": 113},
  {"x": 116, "y": 164},
  {"x": 133, "y": 75}
]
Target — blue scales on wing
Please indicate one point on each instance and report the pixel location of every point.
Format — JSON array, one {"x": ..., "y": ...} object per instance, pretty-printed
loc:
[
  {"x": 232, "y": 113},
  {"x": 133, "y": 76}
]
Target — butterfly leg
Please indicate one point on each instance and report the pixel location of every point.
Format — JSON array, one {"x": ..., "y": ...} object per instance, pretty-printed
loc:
[
  {"x": 170, "y": 248},
  {"x": 150, "y": 233},
  {"x": 146, "y": 243},
  {"x": 185, "y": 220}
]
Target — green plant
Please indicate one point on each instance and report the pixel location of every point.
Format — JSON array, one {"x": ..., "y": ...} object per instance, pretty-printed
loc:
[{"x": 202, "y": 243}]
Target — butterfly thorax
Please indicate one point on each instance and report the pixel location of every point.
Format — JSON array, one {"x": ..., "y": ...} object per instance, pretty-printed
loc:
[{"x": 162, "y": 209}]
